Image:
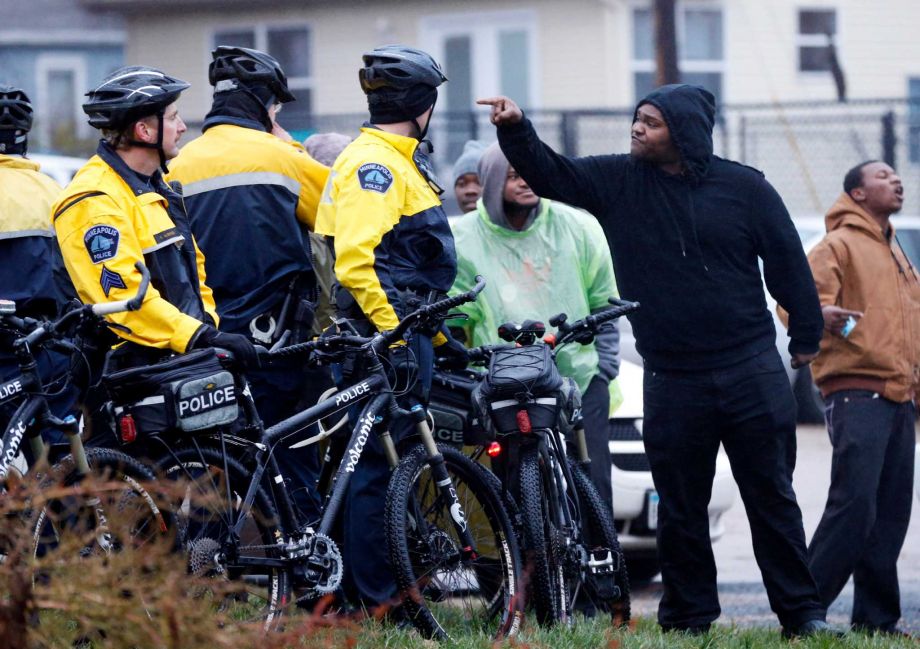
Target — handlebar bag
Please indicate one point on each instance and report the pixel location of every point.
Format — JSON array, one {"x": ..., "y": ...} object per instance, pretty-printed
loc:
[{"x": 521, "y": 380}]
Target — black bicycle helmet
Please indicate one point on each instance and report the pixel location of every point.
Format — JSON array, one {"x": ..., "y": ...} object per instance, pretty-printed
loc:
[
  {"x": 15, "y": 110},
  {"x": 397, "y": 67},
  {"x": 249, "y": 67},
  {"x": 129, "y": 94}
]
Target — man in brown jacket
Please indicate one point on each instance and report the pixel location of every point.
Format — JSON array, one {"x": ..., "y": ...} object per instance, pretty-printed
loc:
[{"x": 868, "y": 371}]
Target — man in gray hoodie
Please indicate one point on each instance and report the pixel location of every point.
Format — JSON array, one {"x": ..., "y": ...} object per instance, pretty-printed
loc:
[{"x": 540, "y": 258}]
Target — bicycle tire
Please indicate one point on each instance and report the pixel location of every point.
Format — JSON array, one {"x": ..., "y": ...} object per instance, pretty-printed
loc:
[
  {"x": 202, "y": 522},
  {"x": 599, "y": 533},
  {"x": 547, "y": 590},
  {"x": 431, "y": 573},
  {"x": 73, "y": 513}
]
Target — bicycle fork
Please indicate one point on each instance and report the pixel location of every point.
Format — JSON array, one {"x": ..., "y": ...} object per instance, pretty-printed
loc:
[{"x": 442, "y": 480}]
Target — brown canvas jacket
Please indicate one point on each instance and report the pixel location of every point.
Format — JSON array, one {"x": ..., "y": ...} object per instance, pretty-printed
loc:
[{"x": 857, "y": 267}]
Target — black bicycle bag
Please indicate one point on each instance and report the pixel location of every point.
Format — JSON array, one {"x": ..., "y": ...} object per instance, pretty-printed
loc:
[
  {"x": 522, "y": 391},
  {"x": 191, "y": 392}
]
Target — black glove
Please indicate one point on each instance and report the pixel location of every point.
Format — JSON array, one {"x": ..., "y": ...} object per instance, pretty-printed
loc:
[
  {"x": 452, "y": 355},
  {"x": 243, "y": 350}
]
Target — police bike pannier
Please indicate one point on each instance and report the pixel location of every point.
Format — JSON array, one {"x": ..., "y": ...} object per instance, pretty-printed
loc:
[
  {"x": 191, "y": 392},
  {"x": 524, "y": 390}
]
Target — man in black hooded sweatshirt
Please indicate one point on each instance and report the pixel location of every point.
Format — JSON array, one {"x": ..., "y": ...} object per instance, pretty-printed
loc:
[{"x": 686, "y": 230}]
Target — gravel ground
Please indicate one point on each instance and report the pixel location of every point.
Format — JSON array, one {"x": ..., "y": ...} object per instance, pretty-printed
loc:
[{"x": 742, "y": 595}]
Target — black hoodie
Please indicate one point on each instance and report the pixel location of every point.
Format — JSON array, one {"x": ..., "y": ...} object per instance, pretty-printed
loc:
[{"x": 686, "y": 246}]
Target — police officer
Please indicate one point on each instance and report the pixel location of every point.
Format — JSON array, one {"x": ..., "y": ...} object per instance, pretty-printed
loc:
[
  {"x": 252, "y": 193},
  {"x": 118, "y": 210},
  {"x": 392, "y": 245},
  {"x": 28, "y": 275}
]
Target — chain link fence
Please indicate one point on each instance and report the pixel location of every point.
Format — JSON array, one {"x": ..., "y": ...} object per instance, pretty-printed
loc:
[{"x": 803, "y": 148}]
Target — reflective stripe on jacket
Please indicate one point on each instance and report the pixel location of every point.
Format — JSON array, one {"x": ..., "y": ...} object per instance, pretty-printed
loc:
[
  {"x": 26, "y": 239},
  {"x": 390, "y": 231},
  {"x": 249, "y": 195},
  {"x": 107, "y": 219}
]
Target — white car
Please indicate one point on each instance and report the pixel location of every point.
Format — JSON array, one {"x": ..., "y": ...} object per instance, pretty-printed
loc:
[
  {"x": 60, "y": 167},
  {"x": 811, "y": 230},
  {"x": 635, "y": 501}
]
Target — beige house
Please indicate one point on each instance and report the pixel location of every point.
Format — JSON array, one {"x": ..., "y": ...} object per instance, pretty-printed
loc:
[
  {"x": 574, "y": 55},
  {"x": 552, "y": 54}
]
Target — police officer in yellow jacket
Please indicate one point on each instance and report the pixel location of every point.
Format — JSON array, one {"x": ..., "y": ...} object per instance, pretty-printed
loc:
[
  {"x": 118, "y": 210},
  {"x": 251, "y": 193},
  {"x": 28, "y": 274},
  {"x": 393, "y": 246}
]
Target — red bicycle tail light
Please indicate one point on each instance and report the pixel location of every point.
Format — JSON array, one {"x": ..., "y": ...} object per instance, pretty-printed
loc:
[
  {"x": 494, "y": 449},
  {"x": 127, "y": 428},
  {"x": 523, "y": 422}
]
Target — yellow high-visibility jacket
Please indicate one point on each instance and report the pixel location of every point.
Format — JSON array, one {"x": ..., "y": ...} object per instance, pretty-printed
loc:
[
  {"x": 27, "y": 240},
  {"x": 390, "y": 231},
  {"x": 107, "y": 219}
]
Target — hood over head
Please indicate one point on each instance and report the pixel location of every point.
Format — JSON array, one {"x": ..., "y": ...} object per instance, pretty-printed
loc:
[
  {"x": 846, "y": 212},
  {"x": 468, "y": 162},
  {"x": 690, "y": 114},
  {"x": 493, "y": 172}
]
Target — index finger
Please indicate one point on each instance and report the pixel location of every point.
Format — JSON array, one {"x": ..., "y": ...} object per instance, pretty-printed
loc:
[
  {"x": 490, "y": 101},
  {"x": 857, "y": 314}
]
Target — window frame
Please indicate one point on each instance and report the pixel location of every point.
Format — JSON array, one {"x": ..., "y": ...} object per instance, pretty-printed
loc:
[
  {"x": 483, "y": 28},
  {"x": 814, "y": 40},
  {"x": 46, "y": 63},
  {"x": 260, "y": 32},
  {"x": 690, "y": 65}
]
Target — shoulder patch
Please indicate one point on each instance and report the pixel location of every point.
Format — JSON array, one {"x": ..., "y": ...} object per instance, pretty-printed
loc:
[
  {"x": 101, "y": 242},
  {"x": 375, "y": 177},
  {"x": 109, "y": 279}
]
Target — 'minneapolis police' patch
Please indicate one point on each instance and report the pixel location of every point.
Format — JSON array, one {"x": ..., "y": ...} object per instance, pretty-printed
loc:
[
  {"x": 101, "y": 242},
  {"x": 375, "y": 177}
]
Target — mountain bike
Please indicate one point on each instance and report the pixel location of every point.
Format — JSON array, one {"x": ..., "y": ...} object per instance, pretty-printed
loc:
[
  {"x": 237, "y": 521},
  {"x": 568, "y": 537},
  {"x": 84, "y": 517}
]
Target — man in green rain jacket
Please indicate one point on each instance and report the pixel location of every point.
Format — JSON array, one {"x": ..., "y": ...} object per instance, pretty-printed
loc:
[{"x": 541, "y": 258}]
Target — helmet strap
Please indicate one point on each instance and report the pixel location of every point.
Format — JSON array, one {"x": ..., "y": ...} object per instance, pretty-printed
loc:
[
  {"x": 158, "y": 145},
  {"x": 418, "y": 129}
]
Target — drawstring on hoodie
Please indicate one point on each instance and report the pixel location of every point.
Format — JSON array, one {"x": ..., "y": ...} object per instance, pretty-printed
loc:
[{"x": 913, "y": 272}]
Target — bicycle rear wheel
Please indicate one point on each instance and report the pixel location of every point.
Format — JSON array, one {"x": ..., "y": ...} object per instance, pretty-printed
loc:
[
  {"x": 443, "y": 583},
  {"x": 542, "y": 546},
  {"x": 607, "y": 586},
  {"x": 207, "y": 504}
]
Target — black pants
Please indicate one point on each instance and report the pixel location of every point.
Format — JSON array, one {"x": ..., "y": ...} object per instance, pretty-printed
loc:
[
  {"x": 279, "y": 392},
  {"x": 868, "y": 505},
  {"x": 368, "y": 577},
  {"x": 595, "y": 410},
  {"x": 749, "y": 408}
]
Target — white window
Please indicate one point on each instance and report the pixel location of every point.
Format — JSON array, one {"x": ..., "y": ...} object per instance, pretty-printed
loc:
[
  {"x": 700, "y": 48},
  {"x": 292, "y": 46},
  {"x": 816, "y": 28},
  {"x": 483, "y": 54},
  {"x": 61, "y": 82}
]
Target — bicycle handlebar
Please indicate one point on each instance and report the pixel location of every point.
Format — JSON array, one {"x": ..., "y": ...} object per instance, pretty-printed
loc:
[
  {"x": 43, "y": 331},
  {"x": 381, "y": 341}
]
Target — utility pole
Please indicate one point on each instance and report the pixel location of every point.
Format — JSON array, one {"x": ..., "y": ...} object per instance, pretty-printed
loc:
[{"x": 666, "y": 43}]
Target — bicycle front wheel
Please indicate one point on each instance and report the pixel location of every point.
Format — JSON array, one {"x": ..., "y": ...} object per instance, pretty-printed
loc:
[
  {"x": 542, "y": 540},
  {"x": 100, "y": 513},
  {"x": 443, "y": 583}
]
